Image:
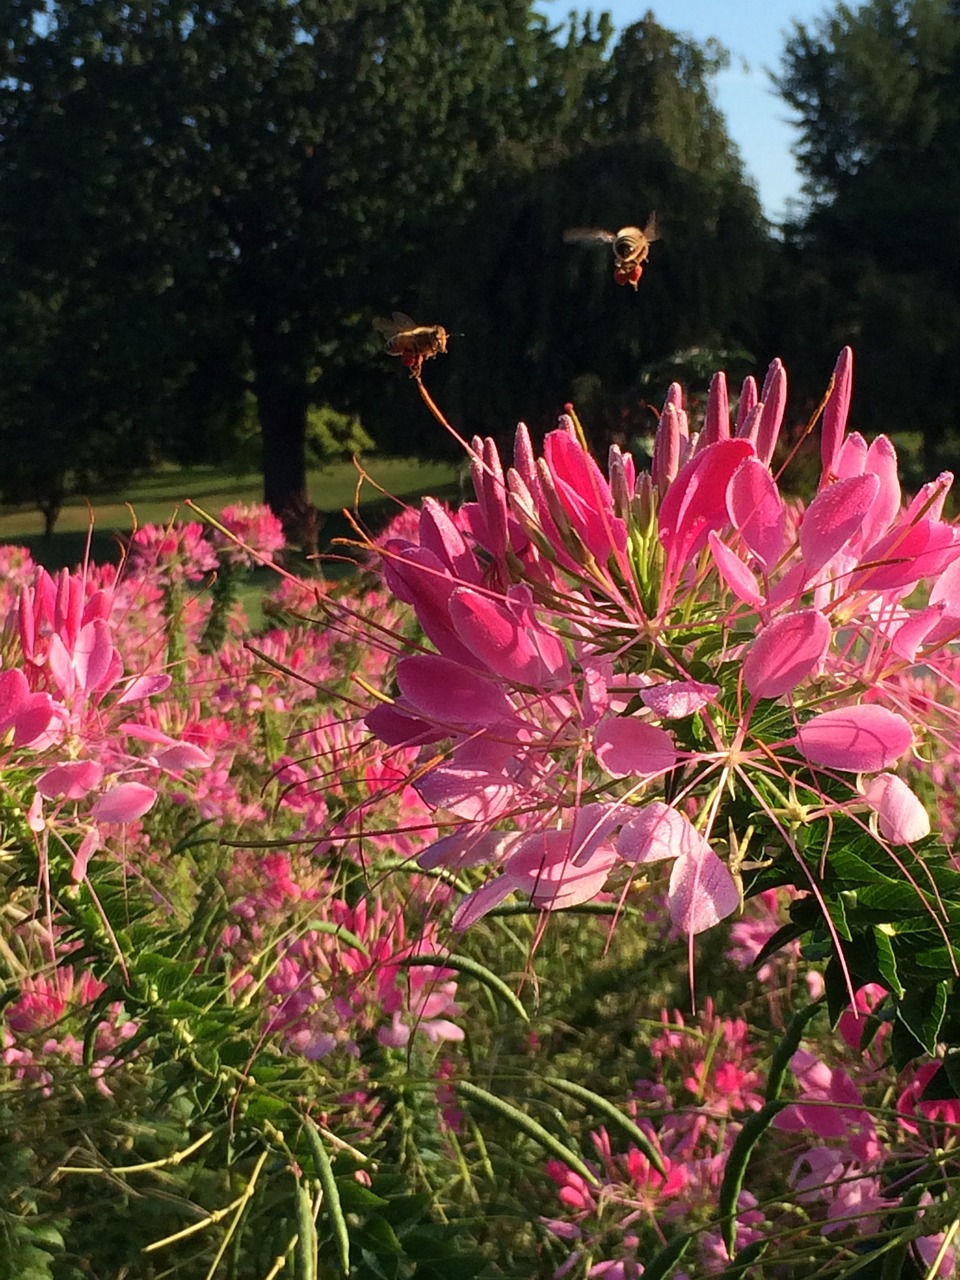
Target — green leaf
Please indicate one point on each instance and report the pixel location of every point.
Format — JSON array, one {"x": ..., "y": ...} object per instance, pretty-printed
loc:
[
  {"x": 951, "y": 1067},
  {"x": 662, "y": 1263},
  {"x": 356, "y": 1198},
  {"x": 378, "y": 1235},
  {"x": 921, "y": 1012},
  {"x": 887, "y": 961},
  {"x": 753, "y": 1130}
]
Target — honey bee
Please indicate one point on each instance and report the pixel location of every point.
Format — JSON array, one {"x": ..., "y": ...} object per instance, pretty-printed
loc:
[
  {"x": 412, "y": 342},
  {"x": 631, "y": 247}
]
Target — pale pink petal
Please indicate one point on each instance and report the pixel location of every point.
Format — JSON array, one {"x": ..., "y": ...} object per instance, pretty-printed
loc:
[
  {"x": 449, "y": 694},
  {"x": 94, "y": 657},
  {"x": 550, "y": 867},
  {"x": 144, "y": 687},
  {"x": 749, "y": 428},
  {"x": 658, "y": 832},
  {"x": 475, "y": 794},
  {"x": 911, "y": 634},
  {"x": 702, "y": 891},
  {"x": 124, "y": 802},
  {"x": 695, "y": 503},
  {"x": 392, "y": 726},
  {"x": 859, "y": 739},
  {"x": 418, "y": 577},
  {"x": 503, "y": 642},
  {"x": 748, "y": 400},
  {"x": 741, "y": 580},
  {"x": 61, "y": 666},
  {"x": 901, "y": 816},
  {"x": 182, "y": 755},
  {"x": 675, "y": 699},
  {"x": 834, "y": 516},
  {"x": 585, "y": 494},
  {"x": 785, "y": 652},
  {"x": 756, "y": 511},
  {"x": 882, "y": 461},
  {"x": 626, "y": 745},
  {"x": 88, "y": 847},
  {"x": 71, "y": 780},
  {"x": 945, "y": 591},
  {"x": 35, "y": 819},
  {"x": 441, "y": 1029},
  {"x": 852, "y": 458},
  {"x": 146, "y": 733},
  {"x": 439, "y": 534},
  {"x": 835, "y": 413},
  {"x": 907, "y": 554},
  {"x": 592, "y": 825},
  {"x": 930, "y": 498},
  {"x": 467, "y": 848},
  {"x": 476, "y": 905}
]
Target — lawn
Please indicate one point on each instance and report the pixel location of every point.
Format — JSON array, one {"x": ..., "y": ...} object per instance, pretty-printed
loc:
[{"x": 159, "y": 497}]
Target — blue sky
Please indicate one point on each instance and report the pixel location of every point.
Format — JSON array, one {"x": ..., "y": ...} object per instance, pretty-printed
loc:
[{"x": 754, "y": 33}]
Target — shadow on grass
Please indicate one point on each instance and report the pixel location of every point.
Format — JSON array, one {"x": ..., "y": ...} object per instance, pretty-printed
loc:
[{"x": 65, "y": 550}]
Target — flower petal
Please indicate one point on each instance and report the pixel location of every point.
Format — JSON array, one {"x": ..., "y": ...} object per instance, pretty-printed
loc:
[
  {"x": 124, "y": 802},
  {"x": 659, "y": 832},
  {"x": 856, "y": 739},
  {"x": 785, "y": 652},
  {"x": 834, "y": 516},
  {"x": 901, "y": 816},
  {"x": 702, "y": 891},
  {"x": 626, "y": 745}
]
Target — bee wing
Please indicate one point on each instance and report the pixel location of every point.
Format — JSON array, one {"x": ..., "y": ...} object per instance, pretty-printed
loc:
[
  {"x": 403, "y": 321},
  {"x": 652, "y": 229},
  {"x": 382, "y": 325},
  {"x": 588, "y": 235}
]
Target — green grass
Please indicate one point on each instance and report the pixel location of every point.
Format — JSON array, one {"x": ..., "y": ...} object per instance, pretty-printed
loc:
[{"x": 160, "y": 497}]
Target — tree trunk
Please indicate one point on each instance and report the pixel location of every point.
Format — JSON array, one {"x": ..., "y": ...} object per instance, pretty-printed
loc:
[{"x": 282, "y": 410}]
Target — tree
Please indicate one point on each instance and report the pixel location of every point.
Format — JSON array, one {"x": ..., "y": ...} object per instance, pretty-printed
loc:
[
  {"x": 543, "y": 321},
  {"x": 877, "y": 94},
  {"x": 227, "y": 192}
]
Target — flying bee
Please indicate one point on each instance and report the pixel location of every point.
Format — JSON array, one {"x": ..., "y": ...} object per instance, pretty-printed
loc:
[
  {"x": 412, "y": 342},
  {"x": 631, "y": 247}
]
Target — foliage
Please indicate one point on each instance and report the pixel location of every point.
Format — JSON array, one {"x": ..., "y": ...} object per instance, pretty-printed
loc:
[
  {"x": 876, "y": 91},
  {"x": 198, "y": 206}
]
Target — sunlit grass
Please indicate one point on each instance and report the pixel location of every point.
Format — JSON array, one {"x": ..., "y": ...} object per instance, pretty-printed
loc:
[{"x": 159, "y": 497}]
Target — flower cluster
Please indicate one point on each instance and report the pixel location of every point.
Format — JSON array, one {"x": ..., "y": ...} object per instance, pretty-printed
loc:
[{"x": 625, "y": 669}]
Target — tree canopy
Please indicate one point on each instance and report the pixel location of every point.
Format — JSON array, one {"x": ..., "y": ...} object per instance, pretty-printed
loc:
[
  {"x": 199, "y": 202},
  {"x": 877, "y": 254}
]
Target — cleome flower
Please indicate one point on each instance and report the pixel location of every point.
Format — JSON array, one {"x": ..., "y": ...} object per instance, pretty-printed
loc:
[{"x": 688, "y": 667}]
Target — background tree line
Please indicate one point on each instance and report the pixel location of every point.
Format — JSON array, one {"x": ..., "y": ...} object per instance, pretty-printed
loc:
[{"x": 202, "y": 207}]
